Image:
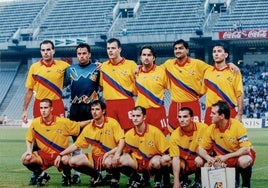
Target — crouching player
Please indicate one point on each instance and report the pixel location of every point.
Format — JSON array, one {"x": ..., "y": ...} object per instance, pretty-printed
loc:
[
  {"x": 183, "y": 149},
  {"x": 51, "y": 135},
  {"x": 106, "y": 138},
  {"x": 145, "y": 150},
  {"x": 227, "y": 138}
]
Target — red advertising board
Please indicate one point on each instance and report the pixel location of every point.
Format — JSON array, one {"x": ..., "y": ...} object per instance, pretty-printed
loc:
[{"x": 244, "y": 34}]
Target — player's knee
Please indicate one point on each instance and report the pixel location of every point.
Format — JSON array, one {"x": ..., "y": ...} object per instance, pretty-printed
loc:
[{"x": 244, "y": 161}]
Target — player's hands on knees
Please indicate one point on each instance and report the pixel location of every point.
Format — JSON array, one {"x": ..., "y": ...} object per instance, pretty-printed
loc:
[
  {"x": 57, "y": 161},
  {"x": 26, "y": 156}
]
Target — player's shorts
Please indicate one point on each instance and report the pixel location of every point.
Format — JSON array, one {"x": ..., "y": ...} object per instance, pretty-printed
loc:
[
  {"x": 96, "y": 161},
  {"x": 174, "y": 108},
  {"x": 119, "y": 109},
  {"x": 58, "y": 108},
  {"x": 190, "y": 165},
  {"x": 233, "y": 162},
  {"x": 207, "y": 118},
  {"x": 45, "y": 158},
  {"x": 157, "y": 117}
]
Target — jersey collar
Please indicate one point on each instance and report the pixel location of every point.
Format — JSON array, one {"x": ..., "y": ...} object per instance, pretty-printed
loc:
[
  {"x": 141, "y": 134},
  {"x": 187, "y": 60},
  {"x": 226, "y": 67},
  {"x": 47, "y": 65},
  {"x": 120, "y": 62},
  {"x": 48, "y": 123}
]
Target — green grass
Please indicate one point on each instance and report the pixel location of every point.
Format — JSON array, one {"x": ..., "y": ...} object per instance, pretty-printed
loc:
[{"x": 14, "y": 174}]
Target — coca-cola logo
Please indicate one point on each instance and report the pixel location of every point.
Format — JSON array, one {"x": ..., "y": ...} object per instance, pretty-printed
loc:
[{"x": 243, "y": 34}]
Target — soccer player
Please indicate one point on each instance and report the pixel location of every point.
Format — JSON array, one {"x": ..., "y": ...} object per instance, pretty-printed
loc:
[
  {"x": 106, "y": 139},
  {"x": 185, "y": 75},
  {"x": 151, "y": 82},
  {"x": 45, "y": 78},
  {"x": 220, "y": 83},
  {"x": 51, "y": 135},
  {"x": 83, "y": 79},
  {"x": 117, "y": 81},
  {"x": 183, "y": 149},
  {"x": 227, "y": 138},
  {"x": 145, "y": 150}
]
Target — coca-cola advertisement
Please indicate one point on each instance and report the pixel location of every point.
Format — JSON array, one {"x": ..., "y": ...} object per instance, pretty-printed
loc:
[{"x": 243, "y": 34}]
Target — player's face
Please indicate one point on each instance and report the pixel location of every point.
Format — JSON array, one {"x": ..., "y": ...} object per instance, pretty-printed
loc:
[
  {"x": 83, "y": 56},
  {"x": 215, "y": 117},
  {"x": 97, "y": 112},
  {"x": 184, "y": 118},
  {"x": 180, "y": 51},
  {"x": 47, "y": 52},
  {"x": 137, "y": 117},
  {"x": 219, "y": 55},
  {"x": 45, "y": 109},
  {"x": 113, "y": 50},
  {"x": 147, "y": 58}
]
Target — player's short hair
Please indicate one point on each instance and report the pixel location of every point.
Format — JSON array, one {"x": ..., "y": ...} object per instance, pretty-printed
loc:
[
  {"x": 223, "y": 45},
  {"x": 99, "y": 102},
  {"x": 191, "y": 113},
  {"x": 181, "y": 41},
  {"x": 140, "y": 108},
  {"x": 47, "y": 42},
  {"x": 111, "y": 40},
  {"x": 223, "y": 109},
  {"x": 49, "y": 101},
  {"x": 149, "y": 48},
  {"x": 83, "y": 45}
]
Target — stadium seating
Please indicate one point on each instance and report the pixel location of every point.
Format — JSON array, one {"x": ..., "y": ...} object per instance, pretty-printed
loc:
[
  {"x": 247, "y": 14},
  {"x": 182, "y": 16},
  {"x": 18, "y": 14},
  {"x": 70, "y": 18}
]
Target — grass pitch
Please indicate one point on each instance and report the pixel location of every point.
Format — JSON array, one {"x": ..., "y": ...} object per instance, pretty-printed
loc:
[{"x": 14, "y": 174}]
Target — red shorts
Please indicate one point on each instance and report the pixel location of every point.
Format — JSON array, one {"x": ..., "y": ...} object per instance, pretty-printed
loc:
[
  {"x": 143, "y": 164},
  {"x": 190, "y": 165},
  {"x": 207, "y": 118},
  {"x": 174, "y": 110},
  {"x": 233, "y": 162},
  {"x": 58, "y": 108},
  {"x": 46, "y": 159},
  {"x": 95, "y": 160},
  {"x": 119, "y": 109},
  {"x": 157, "y": 117}
]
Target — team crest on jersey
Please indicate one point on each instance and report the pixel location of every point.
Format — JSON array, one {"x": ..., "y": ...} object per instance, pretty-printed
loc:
[
  {"x": 231, "y": 140},
  {"x": 151, "y": 143},
  {"x": 155, "y": 78},
  {"x": 93, "y": 77},
  {"x": 108, "y": 132},
  {"x": 124, "y": 72},
  {"x": 59, "y": 71},
  {"x": 230, "y": 79},
  {"x": 191, "y": 72},
  {"x": 59, "y": 131}
]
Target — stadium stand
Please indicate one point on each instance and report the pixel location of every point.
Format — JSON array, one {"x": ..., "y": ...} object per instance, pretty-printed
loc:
[
  {"x": 182, "y": 16},
  {"x": 18, "y": 14},
  {"x": 8, "y": 71},
  {"x": 68, "y": 18},
  {"x": 255, "y": 80},
  {"x": 245, "y": 15}
]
